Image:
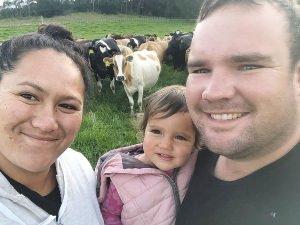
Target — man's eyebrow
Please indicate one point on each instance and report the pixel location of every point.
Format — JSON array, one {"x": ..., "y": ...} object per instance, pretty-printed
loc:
[
  {"x": 32, "y": 85},
  {"x": 252, "y": 57},
  {"x": 196, "y": 63}
]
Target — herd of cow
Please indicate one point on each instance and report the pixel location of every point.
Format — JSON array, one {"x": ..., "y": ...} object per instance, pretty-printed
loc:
[{"x": 135, "y": 59}]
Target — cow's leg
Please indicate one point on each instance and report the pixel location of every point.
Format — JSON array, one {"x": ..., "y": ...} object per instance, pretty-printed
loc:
[
  {"x": 112, "y": 79},
  {"x": 96, "y": 77},
  {"x": 99, "y": 85},
  {"x": 140, "y": 97},
  {"x": 175, "y": 64},
  {"x": 112, "y": 85},
  {"x": 131, "y": 103}
]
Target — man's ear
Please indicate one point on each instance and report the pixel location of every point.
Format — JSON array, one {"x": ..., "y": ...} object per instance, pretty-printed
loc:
[{"x": 297, "y": 78}]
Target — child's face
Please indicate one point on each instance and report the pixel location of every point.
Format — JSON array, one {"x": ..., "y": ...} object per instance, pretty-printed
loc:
[{"x": 168, "y": 142}]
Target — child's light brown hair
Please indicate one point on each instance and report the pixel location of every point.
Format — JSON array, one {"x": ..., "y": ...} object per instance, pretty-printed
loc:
[{"x": 167, "y": 101}]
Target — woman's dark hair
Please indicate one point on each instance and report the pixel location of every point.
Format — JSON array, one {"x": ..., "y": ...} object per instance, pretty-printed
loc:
[
  {"x": 167, "y": 101},
  {"x": 47, "y": 37}
]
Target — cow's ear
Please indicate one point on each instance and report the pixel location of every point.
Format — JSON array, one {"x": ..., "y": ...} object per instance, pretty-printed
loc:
[
  {"x": 129, "y": 58},
  {"x": 91, "y": 49},
  {"x": 180, "y": 41},
  {"x": 108, "y": 61}
]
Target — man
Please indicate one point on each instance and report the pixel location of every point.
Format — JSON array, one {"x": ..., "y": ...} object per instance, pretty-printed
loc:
[{"x": 243, "y": 93}]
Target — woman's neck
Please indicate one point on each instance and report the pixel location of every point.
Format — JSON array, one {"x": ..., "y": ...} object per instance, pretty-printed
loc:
[{"x": 42, "y": 182}]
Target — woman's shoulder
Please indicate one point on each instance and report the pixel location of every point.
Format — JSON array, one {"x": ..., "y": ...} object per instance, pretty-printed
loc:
[{"x": 73, "y": 158}]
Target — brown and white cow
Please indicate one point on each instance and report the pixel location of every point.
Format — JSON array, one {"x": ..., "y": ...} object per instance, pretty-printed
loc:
[
  {"x": 137, "y": 71},
  {"x": 122, "y": 41},
  {"x": 126, "y": 50},
  {"x": 153, "y": 46}
]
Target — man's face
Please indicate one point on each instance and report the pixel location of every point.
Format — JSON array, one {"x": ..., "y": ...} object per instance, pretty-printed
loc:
[{"x": 240, "y": 92}]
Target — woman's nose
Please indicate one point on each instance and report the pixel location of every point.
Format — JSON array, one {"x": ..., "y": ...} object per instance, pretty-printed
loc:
[{"x": 45, "y": 120}]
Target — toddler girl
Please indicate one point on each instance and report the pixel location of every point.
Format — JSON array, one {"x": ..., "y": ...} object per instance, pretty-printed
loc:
[{"x": 145, "y": 183}]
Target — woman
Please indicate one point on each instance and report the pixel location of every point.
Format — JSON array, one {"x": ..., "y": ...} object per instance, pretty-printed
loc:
[{"x": 43, "y": 82}]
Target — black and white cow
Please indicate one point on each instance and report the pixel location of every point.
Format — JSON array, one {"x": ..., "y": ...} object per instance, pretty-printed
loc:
[
  {"x": 136, "y": 42},
  {"x": 85, "y": 45},
  {"x": 100, "y": 49},
  {"x": 177, "y": 49}
]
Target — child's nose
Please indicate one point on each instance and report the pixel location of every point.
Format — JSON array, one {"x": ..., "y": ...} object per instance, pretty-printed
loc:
[{"x": 166, "y": 144}]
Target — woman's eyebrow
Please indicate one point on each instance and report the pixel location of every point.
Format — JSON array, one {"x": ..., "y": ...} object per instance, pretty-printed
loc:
[{"x": 38, "y": 88}]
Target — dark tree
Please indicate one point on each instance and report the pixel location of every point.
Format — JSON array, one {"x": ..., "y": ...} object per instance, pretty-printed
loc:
[{"x": 49, "y": 8}]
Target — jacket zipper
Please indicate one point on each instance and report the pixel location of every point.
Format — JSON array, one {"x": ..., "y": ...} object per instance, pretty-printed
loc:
[
  {"x": 27, "y": 199},
  {"x": 174, "y": 186}
]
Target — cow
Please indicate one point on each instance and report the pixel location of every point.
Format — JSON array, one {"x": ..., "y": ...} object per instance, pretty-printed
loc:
[
  {"x": 126, "y": 50},
  {"x": 187, "y": 53},
  {"x": 127, "y": 36},
  {"x": 177, "y": 49},
  {"x": 100, "y": 49},
  {"x": 153, "y": 37},
  {"x": 122, "y": 41},
  {"x": 136, "y": 41},
  {"x": 153, "y": 46},
  {"x": 167, "y": 38},
  {"x": 164, "y": 46},
  {"x": 137, "y": 71},
  {"x": 85, "y": 45},
  {"x": 118, "y": 37}
]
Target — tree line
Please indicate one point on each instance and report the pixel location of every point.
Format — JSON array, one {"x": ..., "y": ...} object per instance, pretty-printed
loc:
[{"x": 187, "y": 9}]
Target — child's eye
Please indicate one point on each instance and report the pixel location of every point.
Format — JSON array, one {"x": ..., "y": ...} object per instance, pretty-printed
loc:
[
  {"x": 155, "y": 131},
  {"x": 66, "y": 106},
  {"x": 29, "y": 97},
  {"x": 180, "y": 138}
]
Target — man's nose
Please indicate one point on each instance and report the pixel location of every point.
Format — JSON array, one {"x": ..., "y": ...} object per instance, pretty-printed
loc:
[{"x": 221, "y": 85}]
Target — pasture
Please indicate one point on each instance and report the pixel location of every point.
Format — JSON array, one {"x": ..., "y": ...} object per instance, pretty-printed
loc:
[{"x": 106, "y": 121}]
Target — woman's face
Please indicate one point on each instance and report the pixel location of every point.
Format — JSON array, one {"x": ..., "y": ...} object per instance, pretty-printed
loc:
[{"x": 41, "y": 105}]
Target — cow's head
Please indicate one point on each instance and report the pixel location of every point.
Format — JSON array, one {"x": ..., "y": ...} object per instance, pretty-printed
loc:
[
  {"x": 121, "y": 65},
  {"x": 132, "y": 43},
  {"x": 101, "y": 52},
  {"x": 173, "y": 46}
]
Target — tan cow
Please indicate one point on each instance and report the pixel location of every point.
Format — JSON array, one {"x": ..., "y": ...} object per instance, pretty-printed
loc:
[
  {"x": 137, "y": 71},
  {"x": 126, "y": 50},
  {"x": 122, "y": 41},
  {"x": 164, "y": 46},
  {"x": 153, "y": 46}
]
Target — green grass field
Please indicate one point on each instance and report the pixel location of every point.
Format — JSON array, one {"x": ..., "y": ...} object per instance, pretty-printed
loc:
[
  {"x": 85, "y": 25},
  {"x": 106, "y": 122}
]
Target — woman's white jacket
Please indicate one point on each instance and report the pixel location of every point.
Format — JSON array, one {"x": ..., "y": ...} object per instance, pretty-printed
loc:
[{"x": 77, "y": 185}]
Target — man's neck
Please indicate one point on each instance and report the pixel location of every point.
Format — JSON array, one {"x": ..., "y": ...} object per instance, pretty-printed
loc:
[{"x": 231, "y": 169}]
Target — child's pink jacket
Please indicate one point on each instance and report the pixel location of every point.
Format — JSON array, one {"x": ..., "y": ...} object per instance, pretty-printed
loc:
[{"x": 148, "y": 194}]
